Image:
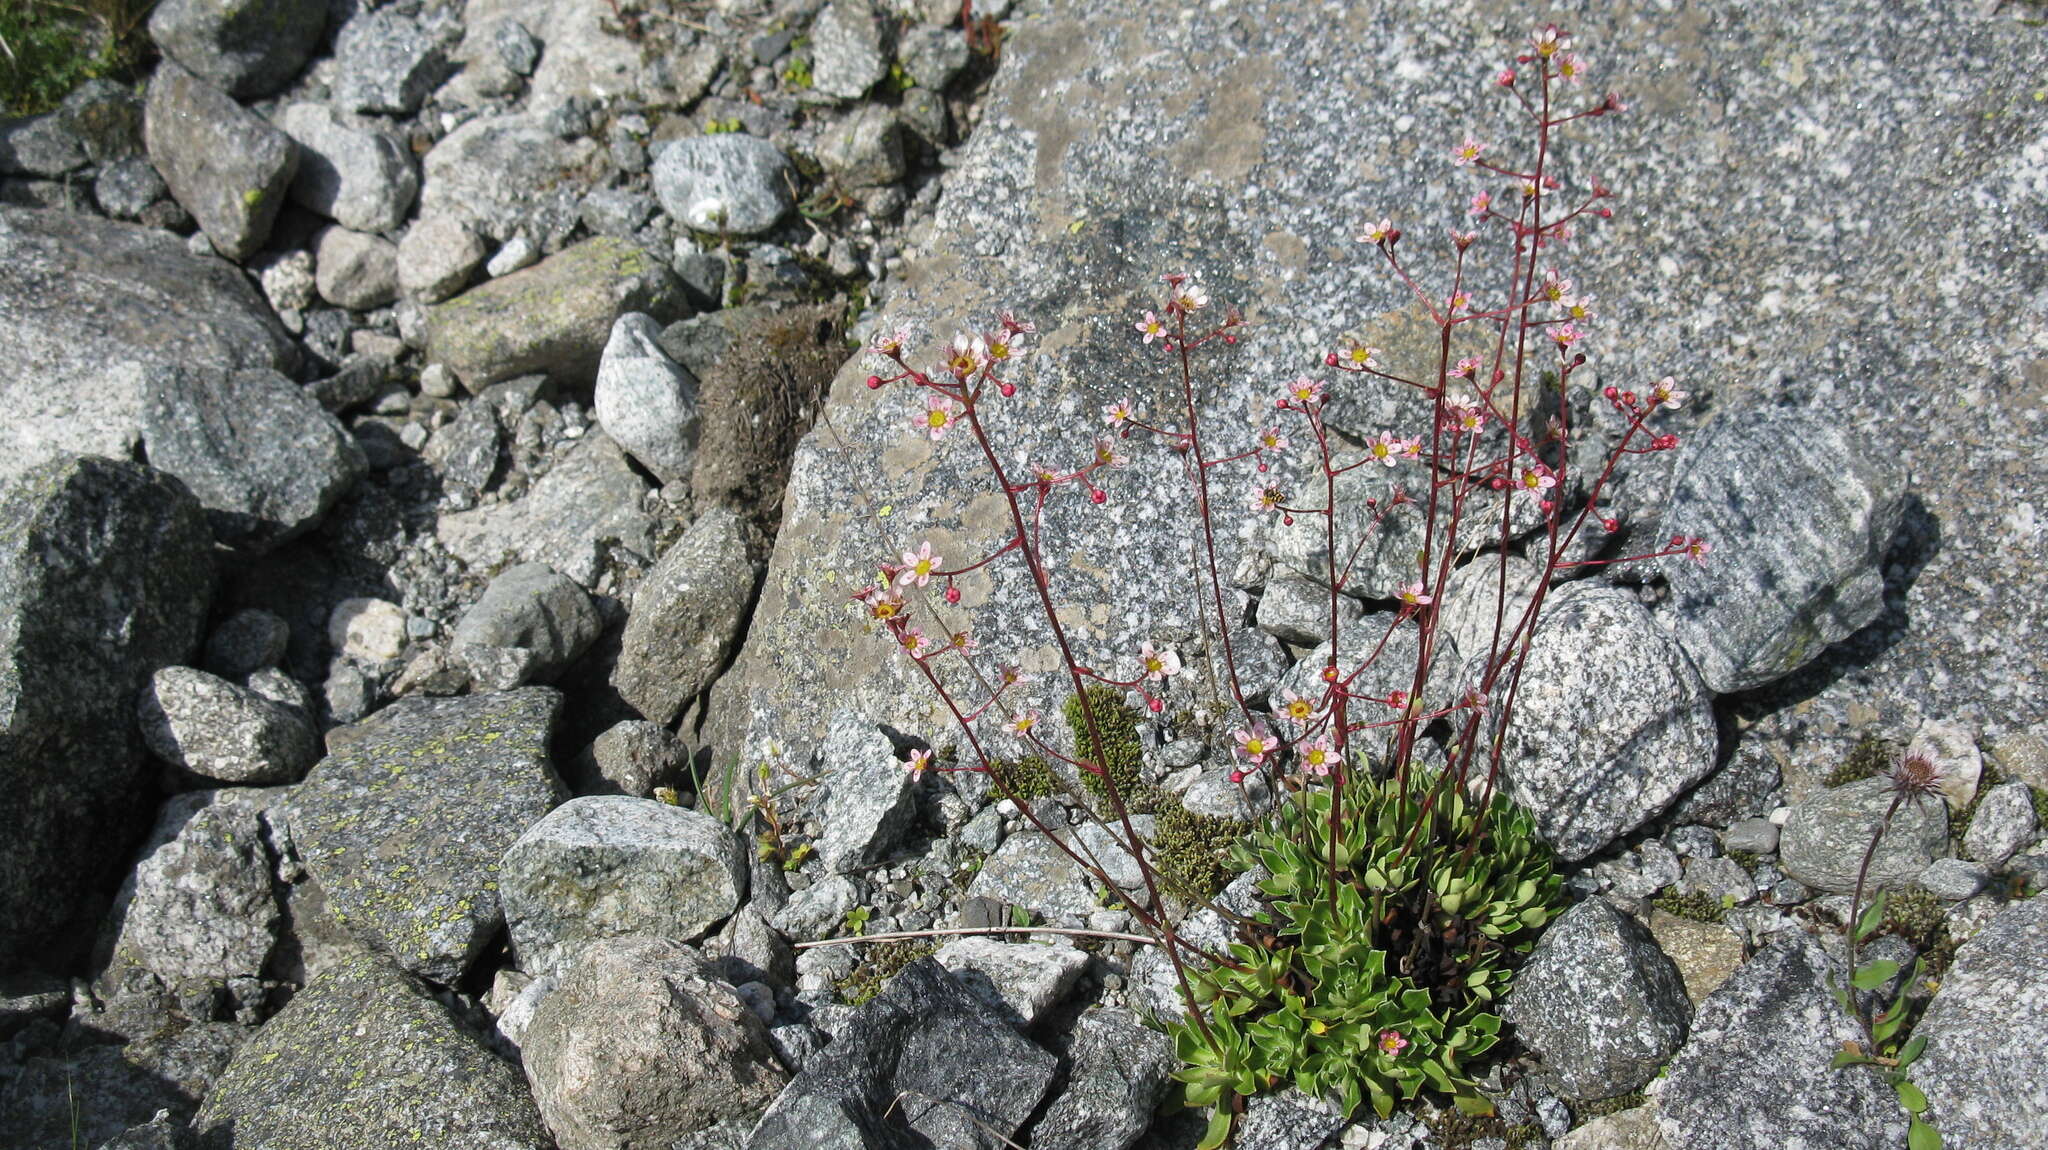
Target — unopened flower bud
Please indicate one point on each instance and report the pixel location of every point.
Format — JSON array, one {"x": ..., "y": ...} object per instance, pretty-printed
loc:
[
  {"x": 1330, "y": 359},
  {"x": 1098, "y": 495},
  {"x": 1604, "y": 213},
  {"x": 874, "y": 381},
  {"x": 1287, "y": 519},
  {"x": 1611, "y": 525},
  {"x": 1506, "y": 79},
  {"x": 1230, "y": 340},
  {"x": 1154, "y": 705},
  {"x": 1008, "y": 390},
  {"x": 952, "y": 594},
  {"x": 1237, "y": 776},
  {"x": 1610, "y": 391},
  {"x": 1628, "y": 397},
  {"x": 1678, "y": 540}
]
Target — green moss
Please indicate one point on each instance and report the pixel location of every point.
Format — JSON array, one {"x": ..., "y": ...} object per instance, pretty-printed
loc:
[
  {"x": 1026, "y": 778},
  {"x": 1585, "y": 1112},
  {"x": 878, "y": 965},
  {"x": 1698, "y": 906},
  {"x": 1915, "y": 916},
  {"x": 1869, "y": 758},
  {"x": 53, "y": 48},
  {"x": 1120, "y": 754},
  {"x": 1194, "y": 850},
  {"x": 1747, "y": 860},
  {"x": 1455, "y": 1130}
]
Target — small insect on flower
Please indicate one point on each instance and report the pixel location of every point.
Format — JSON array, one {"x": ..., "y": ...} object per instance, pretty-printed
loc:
[
  {"x": 1319, "y": 758},
  {"x": 1296, "y": 709},
  {"x": 1117, "y": 414},
  {"x": 1158, "y": 665},
  {"x": 1392, "y": 1044},
  {"x": 1266, "y": 497},
  {"x": 920, "y": 762},
  {"x": 1255, "y": 743},
  {"x": 937, "y": 416},
  {"x": 918, "y": 565},
  {"x": 1020, "y": 724},
  {"x": 1413, "y": 595},
  {"x": 1467, "y": 154},
  {"x": 1665, "y": 393},
  {"x": 1377, "y": 233}
]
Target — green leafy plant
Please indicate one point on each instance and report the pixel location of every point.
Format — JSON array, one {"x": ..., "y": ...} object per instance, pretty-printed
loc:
[
  {"x": 797, "y": 74},
  {"x": 49, "y": 47},
  {"x": 1393, "y": 925},
  {"x": 857, "y": 920},
  {"x": 725, "y": 127}
]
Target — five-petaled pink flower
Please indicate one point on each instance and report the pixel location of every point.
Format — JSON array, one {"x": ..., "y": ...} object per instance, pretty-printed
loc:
[
  {"x": 1389, "y": 451},
  {"x": 1413, "y": 595},
  {"x": 1106, "y": 454},
  {"x": 937, "y": 416},
  {"x": 1296, "y": 709},
  {"x": 920, "y": 762},
  {"x": 1187, "y": 295},
  {"x": 1157, "y": 664},
  {"x": 1358, "y": 355},
  {"x": 1391, "y": 1043},
  {"x": 914, "y": 642},
  {"x": 1696, "y": 549},
  {"x": 1270, "y": 439},
  {"x": 1151, "y": 327},
  {"x": 1005, "y": 345},
  {"x": 1535, "y": 480},
  {"x": 1482, "y": 202},
  {"x": 1303, "y": 392},
  {"x": 918, "y": 566},
  {"x": 1319, "y": 758},
  {"x": 1266, "y": 497},
  {"x": 1566, "y": 334},
  {"x": 890, "y": 343},
  {"x": 1255, "y": 743},
  {"x": 1118, "y": 413},
  {"x": 1467, "y": 154},
  {"x": 1666, "y": 394},
  {"x": 1570, "y": 68},
  {"x": 1020, "y": 724},
  {"x": 1377, "y": 232}
]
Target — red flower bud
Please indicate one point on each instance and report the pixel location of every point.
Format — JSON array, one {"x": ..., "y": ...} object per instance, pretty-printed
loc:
[
  {"x": 1098, "y": 495},
  {"x": 1330, "y": 359},
  {"x": 874, "y": 381},
  {"x": 1611, "y": 524},
  {"x": 1008, "y": 390},
  {"x": 952, "y": 593}
]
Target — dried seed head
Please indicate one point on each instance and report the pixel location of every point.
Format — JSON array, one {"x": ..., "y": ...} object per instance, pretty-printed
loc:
[{"x": 1915, "y": 775}]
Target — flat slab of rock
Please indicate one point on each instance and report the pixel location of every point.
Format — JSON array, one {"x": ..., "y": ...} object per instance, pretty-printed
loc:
[
  {"x": 405, "y": 821},
  {"x": 260, "y": 452},
  {"x": 1022, "y": 979},
  {"x": 101, "y": 1091},
  {"x": 529, "y": 625},
  {"x": 1785, "y": 583},
  {"x": 85, "y": 303},
  {"x": 553, "y": 317},
  {"x": 106, "y": 570},
  {"x": 1754, "y": 1074},
  {"x": 1823, "y": 841},
  {"x": 607, "y": 865},
  {"x": 365, "y": 1059},
  {"x": 1983, "y": 1023}
]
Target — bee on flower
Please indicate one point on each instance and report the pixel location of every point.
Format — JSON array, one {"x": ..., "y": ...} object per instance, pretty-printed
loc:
[
  {"x": 918, "y": 566},
  {"x": 1266, "y": 497},
  {"x": 1157, "y": 665},
  {"x": 937, "y": 416}
]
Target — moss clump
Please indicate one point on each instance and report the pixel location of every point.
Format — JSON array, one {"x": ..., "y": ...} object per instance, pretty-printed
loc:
[
  {"x": 1915, "y": 916},
  {"x": 1869, "y": 758},
  {"x": 1193, "y": 851},
  {"x": 1587, "y": 1111},
  {"x": 1747, "y": 860},
  {"x": 878, "y": 965},
  {"x": 1455, "y": 1130},
  {"x": 53, "y": 48},
  {"x": 1027, "y": 778},
  {"x": 1698, "y": 906},
  {"x": 1120, "y": 754}
]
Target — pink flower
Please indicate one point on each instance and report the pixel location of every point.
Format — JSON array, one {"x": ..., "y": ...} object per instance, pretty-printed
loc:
[
  {"x": 1666, "y": 394},
  {"x": 1578, "y": 307},
  {"x": 1377, "y": 233},
  {"x": 1556, "y": 288},
  {"x": 1535, "y": 480},
  {"x": 968, "y": 355},
  {"x": 918, "y": 565},
  {"x": 1467, "y": 367},
  {"x": 1460, "y": 300},
  {"x": 1106, "y": 454},
  {"x": 1570, "y": 68},
  {"x": 1266, "y": 497},
  {"x": 1549, "y": 40},
  {"x": 937, "y": 416},
  {"x": 1413, "y": 595},
  {"x": 1389, "y": 451},
  {"x": 1006, "y": 345},
  {"x": 1151, "y": 328},
  {"x": 920, "y": 762},
  {"x": 914, "y": 642},
  {"x": 1270, "y": 439},
  {"x": 1303, "y": 393},
  {"x": 1015, "y": 326},
  {"x": 1696, "y": 549},
  {"x": 1255, "y": 743},
  {"x": 1391, "y": 1043},
  {"x": 1464, "y": 420},
  {"x": 1157, "y": 665},
  {"x": 965, "y": 642},
  {"x": 1296, "y": 709},
  {"x": 1467, "y": 154},
  {"x": 1021, "y": 724},
  {"x": 1566, "y": 334},
  {"x": 1482, "y": 202},
  {"x": 1188, "y": 296},
  {"x": 1119, "y": 412},
  {"x": 1359, "y": 355},
  {"x": 1319, "y": 758},
  {"x": 890, "y": 343}
]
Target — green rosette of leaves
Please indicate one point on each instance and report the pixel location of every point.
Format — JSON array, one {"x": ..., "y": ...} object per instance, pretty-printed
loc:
[{"x": 1373, "y": 972}]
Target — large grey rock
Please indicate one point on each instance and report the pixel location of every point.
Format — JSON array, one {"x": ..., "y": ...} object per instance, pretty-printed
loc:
[
  {"x": 1247, "y": 124},
  {"x": 1029, "y": 870},
  {"x": 2004, "y": 822},
  {"x": 199, "y": 903},
  {"x": 1611, "y": 723},
  {"x": 221, "y": 731},
  {"x": 609, "y": 865},
  {"x": 849, "y": 54},
  {"x": 261, "y": 454},
  {"x": 723, "y": 183},
  {"x": 95, "y": 1093},
  {"x": 865, "y": 150},
  {"x": 569, "y": 518},
  {"x": 106, "y": 569},
  {"x": 506, "y": 174},
  {"x": 554, "y": 317},
  {"x": 529, "y": 625},
  {"x": 83, "y": 304},
  {"x": 1599, "y": 1002},
  {"x": 248, "y": 47},
  {"x": 1022, "y": 980},
  {"x": 1984, "y": 1022},
  {"x": 350, "y": 169},
  {"x": 385, "y": 62},
  {"x": 647, "y": 401},
  {"x": 925, "y": 1062},
  {"x": 404, "y": 823},
  {"x": 1823, "y": 841},
  {"x": 1754, "y": 1074},
  {"x": 1297, "y": 610},
  {"x": 365, "y": 1059},
  {"x": 869, "y": 798},
  {"x": 1785, "y": 582},
  {"x": 224, "y": 164},
  {"x": 685, "y": 616},
  {"x": 641, "y": 1044},
  {"x": 1118, "y": 1078}
]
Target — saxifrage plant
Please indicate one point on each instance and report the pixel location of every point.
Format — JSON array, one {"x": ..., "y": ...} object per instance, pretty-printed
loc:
[{"x": 1401, "y": 883}]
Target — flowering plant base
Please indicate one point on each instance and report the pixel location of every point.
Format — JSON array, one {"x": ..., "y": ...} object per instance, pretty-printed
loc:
[{"x": 1373, "y": 979}]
